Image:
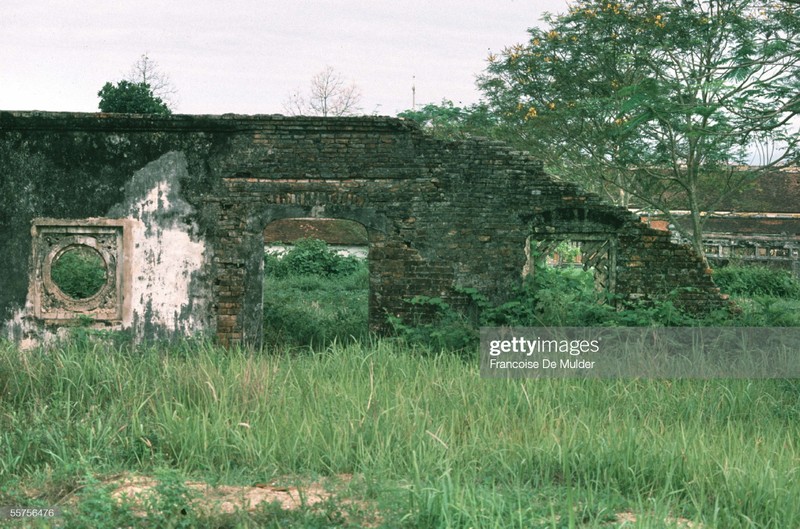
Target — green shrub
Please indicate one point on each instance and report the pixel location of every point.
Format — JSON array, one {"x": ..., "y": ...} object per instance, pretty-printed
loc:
[
  {"x": 171, "y": 503},
  {"x": 310, "y": 257},
  {"x": 552, "y": 296},
  {"x": 79, "y": 272},
  {"x": 753, "y": 281},
  {"x": 765, "y": 311},
  {"x": 442, "y": 327},
  {"x": 567, "y": 297},
  {"x": 97, "y": 509}
]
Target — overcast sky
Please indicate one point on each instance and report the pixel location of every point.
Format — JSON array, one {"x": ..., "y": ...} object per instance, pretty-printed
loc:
[{"x": 246, "y": 56}]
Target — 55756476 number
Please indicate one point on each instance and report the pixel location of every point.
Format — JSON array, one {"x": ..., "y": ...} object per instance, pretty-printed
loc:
[{"x": 29, "y": 512}]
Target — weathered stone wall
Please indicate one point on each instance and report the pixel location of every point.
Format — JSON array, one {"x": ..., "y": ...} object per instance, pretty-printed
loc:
[{"x": 201, "y": 189}]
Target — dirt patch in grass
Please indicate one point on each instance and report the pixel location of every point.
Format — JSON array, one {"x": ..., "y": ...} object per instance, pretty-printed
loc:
[
  {"x": 676, "y": 522},
  {"x": 228, "y": 499}
]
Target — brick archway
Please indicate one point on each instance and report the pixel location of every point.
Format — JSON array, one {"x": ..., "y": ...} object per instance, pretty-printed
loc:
[{"x": 240, "y": 279}]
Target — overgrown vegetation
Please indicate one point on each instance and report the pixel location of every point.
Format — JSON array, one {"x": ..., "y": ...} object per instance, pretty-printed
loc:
[
  {"x": 751, "y": 281},
  {"x": 766, "y": 298},
  {"x": 427, "y": 441},
  {"x": 567, "y": 297},
  {"x": 79, "y": 272},
  {"x": 311, "y": 257},
  {"x": 314, "y": 296}
]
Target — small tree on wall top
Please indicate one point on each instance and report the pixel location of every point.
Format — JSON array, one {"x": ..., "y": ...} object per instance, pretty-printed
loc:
[
  {"x": 126, "y": 96},
  {"x": 145, "y": 90},
  {"x": 146, "y": 70}
]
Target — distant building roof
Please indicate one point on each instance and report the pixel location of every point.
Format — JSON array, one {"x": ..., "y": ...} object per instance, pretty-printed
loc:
[
  {"x": 774, "y": 192},
  {"x": 770, "y": 205},
  {"x": 787, "y": 227}
]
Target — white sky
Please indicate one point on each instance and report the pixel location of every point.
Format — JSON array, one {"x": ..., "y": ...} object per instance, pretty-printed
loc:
[{"x": 246, "y": 56}]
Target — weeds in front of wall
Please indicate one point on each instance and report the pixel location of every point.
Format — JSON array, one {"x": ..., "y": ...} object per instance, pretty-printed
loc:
[{"x": 430, "y": 441}]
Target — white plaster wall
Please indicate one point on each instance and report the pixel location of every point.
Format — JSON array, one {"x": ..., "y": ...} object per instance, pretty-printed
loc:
[
  {"x": 165, "y": 257},
  {"x": 168, "y": 294}
]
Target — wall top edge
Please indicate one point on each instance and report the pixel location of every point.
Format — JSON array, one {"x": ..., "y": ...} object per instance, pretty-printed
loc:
[{"x": 41, "y": 120}]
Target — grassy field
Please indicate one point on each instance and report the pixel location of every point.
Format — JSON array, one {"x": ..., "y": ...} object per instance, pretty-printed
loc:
[
  {"x": 429, "y": 442},
  {"x": 402, "y": 435}
]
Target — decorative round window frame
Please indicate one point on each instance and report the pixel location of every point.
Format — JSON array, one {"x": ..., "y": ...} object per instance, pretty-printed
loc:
[
  {"x": 60, "y": 248},
  {"x": 111, "y": 239}
]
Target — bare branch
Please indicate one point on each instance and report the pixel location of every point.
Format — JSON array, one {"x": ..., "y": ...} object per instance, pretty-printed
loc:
[
  {"x": 329, "y": 95},
  {"x": 146, "y": 70}
]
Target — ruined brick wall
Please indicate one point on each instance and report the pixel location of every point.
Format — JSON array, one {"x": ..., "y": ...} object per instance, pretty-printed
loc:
[{"x": 439, "y": 215}]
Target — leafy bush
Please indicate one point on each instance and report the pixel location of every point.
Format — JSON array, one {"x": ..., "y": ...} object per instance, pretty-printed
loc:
[
  {"x": 567, "y": 297},
  {"x": 757, "y": 281},
  {"x": 564, "y": 297},
  {"x": 310, "y": 257},
  {"x": 765, "y": 311},
  {"x": 443, "y": 327},
  {"x": 79, "y": 272},
  {"x": 96, "y": 508}
]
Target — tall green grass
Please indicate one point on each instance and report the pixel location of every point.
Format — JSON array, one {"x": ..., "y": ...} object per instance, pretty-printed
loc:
[
  {"x": 314, "y": 310},
  {"x": 433, "y": 443}
]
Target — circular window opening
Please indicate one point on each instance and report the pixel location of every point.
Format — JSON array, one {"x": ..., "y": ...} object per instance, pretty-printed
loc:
[{"x": 79, "y": 272}]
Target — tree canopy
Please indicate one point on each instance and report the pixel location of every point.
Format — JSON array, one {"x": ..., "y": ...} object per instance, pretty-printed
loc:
[
  {"x": 448, "y": 121},
  {"x": 666, "y": 101},
  {"x": 145, "y": 90},
  {"x": 130, "y": 97},
  {"x": 329, "y": 95}
]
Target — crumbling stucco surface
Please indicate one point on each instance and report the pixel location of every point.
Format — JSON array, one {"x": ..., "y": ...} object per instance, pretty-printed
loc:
[
  {"x": 200, "y": 190},
  {"x": 169, "y": 292}
]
